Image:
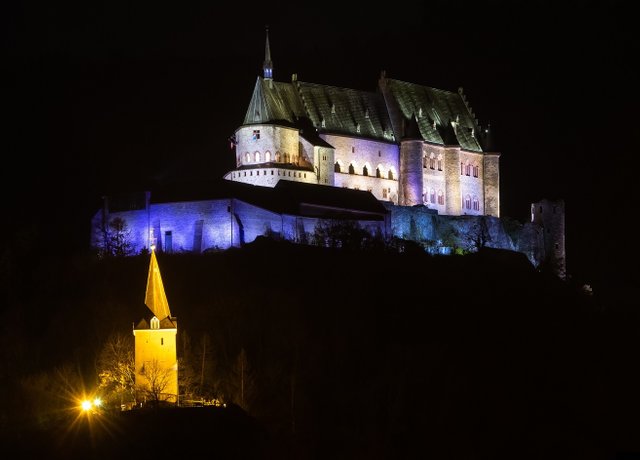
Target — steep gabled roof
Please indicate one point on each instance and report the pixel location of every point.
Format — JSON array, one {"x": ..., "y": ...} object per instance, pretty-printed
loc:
[
  {"x": 346, "y": 111},
  {"x": 273, "y": 101},
  {"x": 435, "y": 108}
]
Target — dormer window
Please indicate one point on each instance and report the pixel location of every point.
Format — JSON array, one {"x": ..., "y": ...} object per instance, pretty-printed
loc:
[{"x": 155, "y": 323}]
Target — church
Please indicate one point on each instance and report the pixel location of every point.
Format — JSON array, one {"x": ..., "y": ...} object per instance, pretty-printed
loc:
[{"x": 405, "y": 143}]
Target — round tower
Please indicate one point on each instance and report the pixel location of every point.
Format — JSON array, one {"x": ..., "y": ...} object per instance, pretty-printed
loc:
[{"x": 410, "y": 178}]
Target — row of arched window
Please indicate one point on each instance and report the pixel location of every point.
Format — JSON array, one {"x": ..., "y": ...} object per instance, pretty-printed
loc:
[
  {"x": 471, "y": 203},
  {"x": 257, "y": 157},
  {"x": 365, "y": 171},
  {"x": 467, "y": 169},
  {"x": 432, "y": 162},
  {"x": 432, "y": 197}
]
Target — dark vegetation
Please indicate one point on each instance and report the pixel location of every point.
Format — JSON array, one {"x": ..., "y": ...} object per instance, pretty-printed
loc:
[{"x": 349, "y": 354}]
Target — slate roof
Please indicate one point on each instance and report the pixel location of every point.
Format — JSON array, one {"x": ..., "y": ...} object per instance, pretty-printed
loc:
[
  {"x": 332, "y": 109},
  {"x": 287, "y": 197},
  {"x": 435, "y": 106},
  {"x": 346, "y": 111}
]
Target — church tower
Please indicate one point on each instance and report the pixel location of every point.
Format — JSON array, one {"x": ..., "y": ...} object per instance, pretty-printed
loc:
[{"x": 156, "y": 362}]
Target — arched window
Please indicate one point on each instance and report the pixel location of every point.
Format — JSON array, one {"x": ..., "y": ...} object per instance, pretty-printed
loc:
[
  {"x": 278, "y": 156},
  {"x": 467, "y": 169},
  {"x": 365, "y": 170},
  {"x": 336, "y": 167},
  {"x": 390, "y": 175},
  {"x": 476, "y": 170},
  {"x": 440, "y": 197},
  {"x": 378, "y": 175},
  {"x": 267, "y": 156},
  {"x": 432, "y": 196},
  {"x": 476, "y": 204},
  {"x": 432, "y": 161},
  {"x": 467, "y": 202},
  {"x": 352, "y": 170},
  {"x": 424, "y": 161},
  {"x": 257, "y": 156},
  {"x": 247, "y": 157},
  {"x": 439, "y": 162}
]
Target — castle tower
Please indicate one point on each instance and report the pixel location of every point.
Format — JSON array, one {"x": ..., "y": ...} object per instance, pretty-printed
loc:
[
  {"x": 267, "y": 67},
  {"x": 549, "y": 215},
  {"x": 411, "y": 180},
  {"x": 156, "y": 363}
]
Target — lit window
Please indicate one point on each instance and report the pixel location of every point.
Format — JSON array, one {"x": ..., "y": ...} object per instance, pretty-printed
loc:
[
  {"x": 267, "y": 156},
  {"x": 247, "y": 157},
  {"x": 257, "y": 157}
]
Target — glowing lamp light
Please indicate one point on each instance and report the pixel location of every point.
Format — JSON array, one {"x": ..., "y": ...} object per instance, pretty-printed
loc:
[
  {"x": 86, "y": 405},
  {"x": 97, "y": 402},
  {"x": 153, "y": 247}
]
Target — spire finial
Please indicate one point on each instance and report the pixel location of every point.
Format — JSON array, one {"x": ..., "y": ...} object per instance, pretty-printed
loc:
[{"x": 267, "y": 68}]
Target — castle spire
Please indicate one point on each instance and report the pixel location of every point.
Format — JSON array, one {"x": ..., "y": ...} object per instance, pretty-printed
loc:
[
  {"x": 267, "y": 67},
  {"x": 155, "y": 298}
]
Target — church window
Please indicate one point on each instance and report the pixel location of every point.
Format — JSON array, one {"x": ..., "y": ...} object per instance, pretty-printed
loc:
[
  {"x": 467, "y": 202},
  {"x": 336, "y": 167},
  {"x": 424, "y": 161},
  {"x": 247, "y": 157},
  {"x": 365, "y": 170},
  {"x": 432, "y": 196},
  {"x": 257, "y": 156},
  {"x": 439, "y": 162},
  {"x": 256, "y": 134},
  {"x": 352, "y": 170},
  {"x": 432, "y": 162},
  {"x": 476, "y": 170},
  {"x": 267, "y": 156},
  {"x": 378, "y": 175},
  {"x": 390, "y": 175},
  {"x": 155, "y": 323},
  {"x": 440, "y": 197},
  {"x": 278, "y": 157},
  {"x": 467, "y": 169},
  {"x": 476, "y": 204}
]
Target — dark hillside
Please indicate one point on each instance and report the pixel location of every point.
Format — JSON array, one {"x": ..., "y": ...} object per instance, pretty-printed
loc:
[{"x": 370, "y": 355}]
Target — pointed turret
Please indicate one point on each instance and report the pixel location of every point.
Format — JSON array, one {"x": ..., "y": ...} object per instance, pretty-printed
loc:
[
  {"x": 267, "y": 67},
  {"x": 155, "y": 297}
]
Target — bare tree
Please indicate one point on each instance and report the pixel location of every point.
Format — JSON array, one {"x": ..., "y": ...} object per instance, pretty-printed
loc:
[
  {"x": 116, "y": 369},
  {"x": 116, "y": 239},
  {"x": 245, "y": 381},
  {"x": 157, "y": 381}
]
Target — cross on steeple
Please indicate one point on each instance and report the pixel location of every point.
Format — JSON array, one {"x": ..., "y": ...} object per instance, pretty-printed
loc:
[{"x": 267, "y": 68}]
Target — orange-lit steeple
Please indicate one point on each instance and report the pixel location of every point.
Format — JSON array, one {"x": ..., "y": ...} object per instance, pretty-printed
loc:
[{"x": 155, "y": 297}]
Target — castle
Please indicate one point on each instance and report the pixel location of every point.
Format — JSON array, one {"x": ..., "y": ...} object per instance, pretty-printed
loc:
[
  {"x": 406, "y": 144},
  {"x": 406, "y": 161}
]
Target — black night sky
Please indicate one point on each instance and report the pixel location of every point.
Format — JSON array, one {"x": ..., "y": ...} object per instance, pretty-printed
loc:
[{"x": 104, "y": 97}]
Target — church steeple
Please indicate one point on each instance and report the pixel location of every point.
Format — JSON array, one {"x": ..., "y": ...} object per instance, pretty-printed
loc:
[
  {"x": 155, "y": 298},
  {"x": 267, "y": 67}
]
